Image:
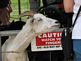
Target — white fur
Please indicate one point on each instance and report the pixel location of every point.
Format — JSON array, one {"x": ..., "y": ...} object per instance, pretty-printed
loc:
[{"x": 18, "y": 44}]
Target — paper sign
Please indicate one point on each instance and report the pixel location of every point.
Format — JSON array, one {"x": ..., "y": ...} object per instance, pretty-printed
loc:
[{"x": 47, "y": 41}]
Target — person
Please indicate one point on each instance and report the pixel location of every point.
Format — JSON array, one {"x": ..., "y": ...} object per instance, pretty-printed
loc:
[
  {"x": 5, "y": 10},
  {"x": 73, "y": 6}
]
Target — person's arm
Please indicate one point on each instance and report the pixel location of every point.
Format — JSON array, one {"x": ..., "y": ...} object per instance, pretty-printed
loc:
[
  {"x": 68, "y": 8},
  {"x": 68, "y": 5}
]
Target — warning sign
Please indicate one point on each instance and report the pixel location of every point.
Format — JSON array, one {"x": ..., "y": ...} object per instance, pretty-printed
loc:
[{"x": 47, "y": 41}]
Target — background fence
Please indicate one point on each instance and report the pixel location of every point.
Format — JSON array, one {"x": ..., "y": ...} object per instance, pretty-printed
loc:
[{"x": 19, "y": 6}]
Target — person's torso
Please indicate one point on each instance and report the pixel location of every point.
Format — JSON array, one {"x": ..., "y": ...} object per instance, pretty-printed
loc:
[
  {"x": 77, "y": 28},
  {"x": 77, "y": 4}
]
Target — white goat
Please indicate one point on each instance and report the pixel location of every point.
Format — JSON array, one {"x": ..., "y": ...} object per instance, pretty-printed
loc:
[{"x": 37, "y": 23}]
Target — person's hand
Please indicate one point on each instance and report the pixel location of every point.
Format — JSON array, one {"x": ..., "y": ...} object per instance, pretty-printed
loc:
[{"x": 9, "y": 8}]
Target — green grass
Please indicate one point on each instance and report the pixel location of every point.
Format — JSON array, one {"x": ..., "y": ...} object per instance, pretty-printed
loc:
[{"x": 24, "y": 7}]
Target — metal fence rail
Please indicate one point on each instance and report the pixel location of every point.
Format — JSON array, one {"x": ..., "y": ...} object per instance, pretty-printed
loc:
[{"x": 6, "y": 33}]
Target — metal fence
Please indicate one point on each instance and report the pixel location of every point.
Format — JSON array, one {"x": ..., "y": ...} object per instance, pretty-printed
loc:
[{"x": 19, "y": 6}]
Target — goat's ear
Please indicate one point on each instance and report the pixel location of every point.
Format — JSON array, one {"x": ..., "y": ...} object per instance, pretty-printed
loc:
[{"x": 27, "y": 13}]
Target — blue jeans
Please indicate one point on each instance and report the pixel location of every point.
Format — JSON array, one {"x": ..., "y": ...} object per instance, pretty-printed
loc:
[{"x": 77, "y": 49}]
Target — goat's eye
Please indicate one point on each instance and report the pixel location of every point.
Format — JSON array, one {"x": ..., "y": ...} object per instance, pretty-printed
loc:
[
  {"x": 32, "y": 20},
  {"x": 40, "y": 19}
]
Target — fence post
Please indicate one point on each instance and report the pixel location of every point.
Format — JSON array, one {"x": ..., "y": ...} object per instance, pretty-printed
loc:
[{"x": 19, "y": 8}]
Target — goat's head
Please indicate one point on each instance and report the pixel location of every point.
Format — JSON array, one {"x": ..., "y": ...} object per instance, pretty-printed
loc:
[{"x": 41, "y": 23}]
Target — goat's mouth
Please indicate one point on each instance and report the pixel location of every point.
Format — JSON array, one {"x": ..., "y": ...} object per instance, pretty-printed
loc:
[{"x": 56, "y": 25}]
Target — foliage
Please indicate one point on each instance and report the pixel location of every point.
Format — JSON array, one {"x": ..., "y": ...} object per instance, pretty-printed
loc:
[{"x": 14, "y": 5}]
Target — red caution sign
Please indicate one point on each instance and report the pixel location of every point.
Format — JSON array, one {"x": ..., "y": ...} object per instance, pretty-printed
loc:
[
  {"x": 50, "y": 38},
  {"x": 47, "y": 41}
]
